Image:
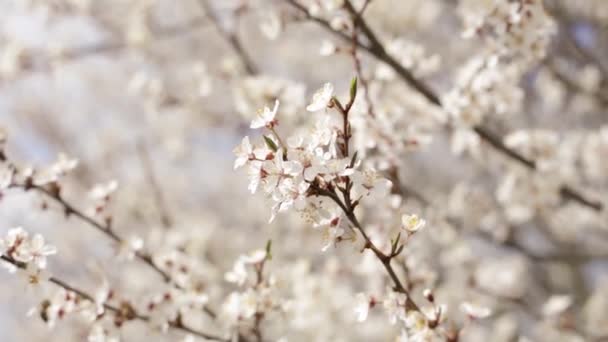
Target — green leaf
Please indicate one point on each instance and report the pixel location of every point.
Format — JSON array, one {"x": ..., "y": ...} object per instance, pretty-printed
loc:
[
  {"x": 353, "y": 88},
  {"x": 353, "y": 160},
  {"x": 396, "y": 242},
  {"x": 270, "y": 143}
]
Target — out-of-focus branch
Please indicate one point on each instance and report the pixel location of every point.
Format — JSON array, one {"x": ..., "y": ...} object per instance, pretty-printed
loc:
[
  {"x": 159, "y": 199},
  {"x": 376, "y": 48},
  {"x": 107, "y": 230},
  {"x": 78, "y": 53},
  {"x": 230, "y": 37},
  {"x": 116, "y": 310}
]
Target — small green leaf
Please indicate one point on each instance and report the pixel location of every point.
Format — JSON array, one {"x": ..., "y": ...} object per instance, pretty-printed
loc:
[
  {"x": 396, "y": 242},
  {"x": 270, "y": 143},
  {"x": 353, "y": 160},
  {"x": 353, "y": 88}
]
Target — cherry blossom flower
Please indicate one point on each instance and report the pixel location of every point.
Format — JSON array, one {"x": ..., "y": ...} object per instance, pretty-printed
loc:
[
  {"x": 38, "y": 251},
  {"x": 265, "y": 117},
  {"x": 475, "y": 311},
  {"x": 556, "y": 304},
  {"x": 321, "y": 98},
  {"x": 412, "y": 223},
  {"x": 362, "y": 305},
  {"x": 394, "y": 304},
  {"x": 243, "y": 153},
  {"x": 103, "y": 190},
  {"x": 59, "y": 168}
]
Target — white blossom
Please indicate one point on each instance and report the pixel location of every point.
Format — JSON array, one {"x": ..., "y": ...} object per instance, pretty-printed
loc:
[
  {"x": 475, "y": 311},
  {"x": 412, "y": 223},
  {"x": 265, "y": 117},
  {"x": 321, "y": 98}
]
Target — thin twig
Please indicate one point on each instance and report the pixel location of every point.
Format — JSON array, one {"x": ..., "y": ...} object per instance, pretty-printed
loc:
[{"x": 159, "y": 199}]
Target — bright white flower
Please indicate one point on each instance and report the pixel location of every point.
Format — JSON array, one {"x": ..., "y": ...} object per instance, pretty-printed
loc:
[
  {"x": 417, "y": 328},
  {"x": 321, "y": 98},
  {"x": 556, "y": 305},
  {"x": 255, "y": 257},
  {"x": 475, "y": 311},
  {"x": 103, "y": 190},
  {"x": 238, "y": 274},
  {"x": 255, "y": 173},
  {"x": 289, "y": 193},
  {"x": 333, "y": 229},
  {"x": 240, "y": 305},
  {"x": 327, "y": 48},
  {"x": 394, "y": 305},
  {"x": 369, "y": 183},
  {"x": 265, "y": 117},
  {"x": 38, "y": 251},
  {"x": 412, "y": 223},
  {"x": 59, "y": 168},
  {"x": 362, "y": 306},
  {"x": 243, "y": 152},
  {"x": 331, "y": 235},
  {"x": 19, "y": 246},
  {"x": 14, "y": 238}
]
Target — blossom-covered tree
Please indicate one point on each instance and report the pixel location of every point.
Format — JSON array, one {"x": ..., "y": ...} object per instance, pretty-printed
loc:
[{"x": 304, "y": 170}]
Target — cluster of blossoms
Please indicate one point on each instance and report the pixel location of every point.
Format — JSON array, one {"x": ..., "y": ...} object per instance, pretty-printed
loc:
[
  {"x": 517, "y": 35},
  {"x": 28, "y": 252},
  {"x": 515, "y": 240},
  {"x": 514, "y": 29},
  {"x": 314, "y": 173},
  {"x": 294, "y": 172},
  {"x": 258, "y": 294}
]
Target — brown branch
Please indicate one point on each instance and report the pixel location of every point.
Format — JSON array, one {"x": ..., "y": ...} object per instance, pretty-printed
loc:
[{"x": 381, "y": 256}]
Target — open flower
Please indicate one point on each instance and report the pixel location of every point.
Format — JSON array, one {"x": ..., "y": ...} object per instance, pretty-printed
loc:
[
  {"x": 394, "y": 305},
  {"x": 265, "y": 117},
  {"x": 362, "y": 305},
  {"x": 475, "y": 311},
  {"x": 412, "y": 223},
  {"x": 556, "y": 305},
  {"x": 321, "y": 98},
  {"x": 38, "y": 251},
  {"x": 243, "y": 152}
]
